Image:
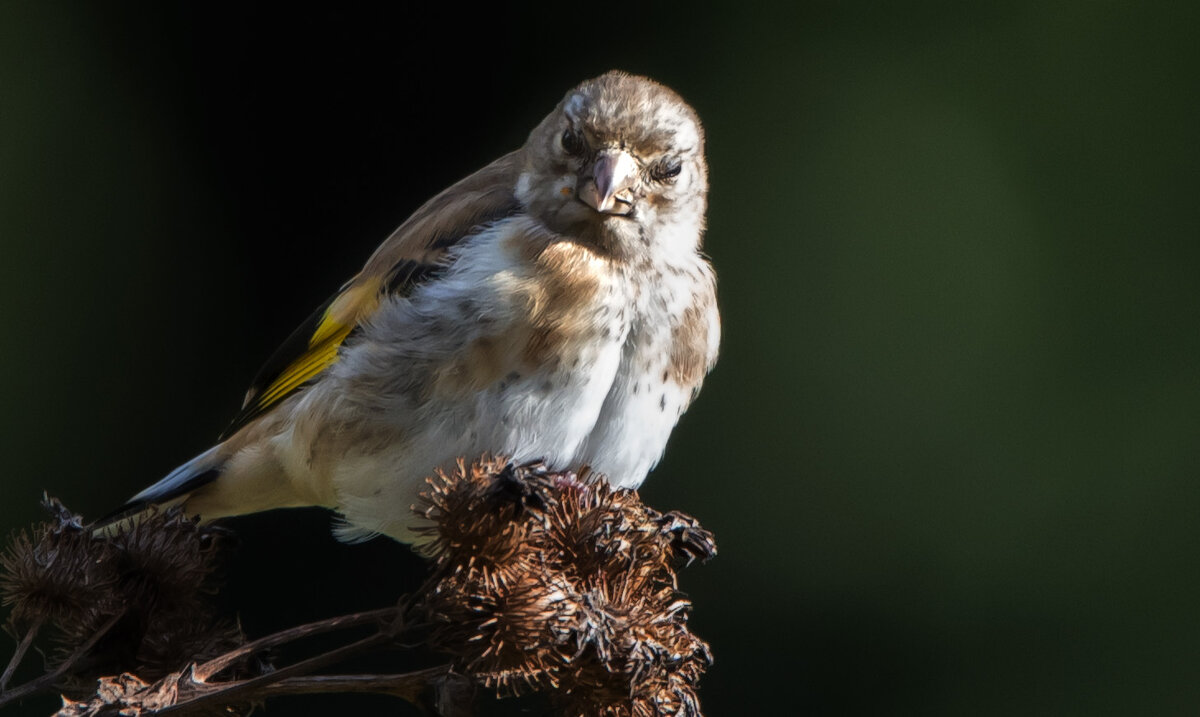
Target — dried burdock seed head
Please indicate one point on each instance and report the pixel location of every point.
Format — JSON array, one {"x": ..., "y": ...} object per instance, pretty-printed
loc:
[
  {"x": 474, "y": 517},
  {"x": 544, "y": 581},
  {"x": 520, "y": 642},
  {"x": 137, "y": 598},
  {"x": 163, "y": 570},
  {"x": 689, "y": 541},
  {"x": 169, "y": 558},
  {"x": 59, "y": 574},
  {"x": 630, "y": 631},
  {"x": 591, "y": 526}
]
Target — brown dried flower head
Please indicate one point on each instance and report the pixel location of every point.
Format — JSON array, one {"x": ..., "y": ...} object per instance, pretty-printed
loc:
[
  {"x": 144, "y": 589},
  {"x": 55, "y": 575},
  {"x": 544, "y": 580}
]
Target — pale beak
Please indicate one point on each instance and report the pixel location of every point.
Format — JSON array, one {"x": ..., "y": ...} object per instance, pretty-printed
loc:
[{"x": 610, "y": 188}]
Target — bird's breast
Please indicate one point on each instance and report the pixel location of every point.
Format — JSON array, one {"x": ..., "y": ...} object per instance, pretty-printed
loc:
[{"x": 527, "y": 302}]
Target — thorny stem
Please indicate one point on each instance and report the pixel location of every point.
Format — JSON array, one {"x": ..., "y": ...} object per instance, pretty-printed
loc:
[
  {"x": 399, "y": 685},
  {"x": 208, "y": 669},
  {"x": 48, "y": 679},
  {"x": 19, "y": 655},
  {"x": 407, "y": 686},
  {"x": 229, "y": 692}
]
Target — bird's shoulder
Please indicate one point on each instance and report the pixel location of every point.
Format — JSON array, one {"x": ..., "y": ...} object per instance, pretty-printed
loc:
[
  {"x": 533, "y": 299},
  {"x": 447, "y": 218}
]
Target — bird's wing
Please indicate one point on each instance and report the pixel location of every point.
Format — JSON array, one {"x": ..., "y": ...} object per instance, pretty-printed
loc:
[{"x": 414, "y": 253}]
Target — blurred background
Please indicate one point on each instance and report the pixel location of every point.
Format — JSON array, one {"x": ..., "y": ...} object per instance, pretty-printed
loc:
[{"x": 950, "y": 452}]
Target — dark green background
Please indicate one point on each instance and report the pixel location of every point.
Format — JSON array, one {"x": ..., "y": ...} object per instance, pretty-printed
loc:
[{"x": 951, "y": 448}]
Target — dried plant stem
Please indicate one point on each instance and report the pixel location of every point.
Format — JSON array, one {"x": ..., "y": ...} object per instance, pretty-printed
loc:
[
  {"x": 407, "y": 686},
  {"x": 19, "y": 655},
  {"x": 48, "y": 679},
  {"x": 205, "y": 671},
  {"x": 226, "y": 693}
]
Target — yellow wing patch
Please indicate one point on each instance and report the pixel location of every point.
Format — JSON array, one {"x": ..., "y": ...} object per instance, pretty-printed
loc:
[
  {"x": 336, "y": 323},
  {"x": 339, "y": 320}
]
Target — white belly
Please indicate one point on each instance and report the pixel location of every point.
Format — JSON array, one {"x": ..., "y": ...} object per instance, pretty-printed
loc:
[{"x": 537, "y": 417}]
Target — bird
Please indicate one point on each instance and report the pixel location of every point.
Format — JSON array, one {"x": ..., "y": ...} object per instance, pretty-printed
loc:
[{"x": 554, "y": 306}]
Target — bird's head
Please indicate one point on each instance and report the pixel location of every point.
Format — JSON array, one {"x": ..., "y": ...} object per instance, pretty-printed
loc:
[{"x": 619, "y": 163}]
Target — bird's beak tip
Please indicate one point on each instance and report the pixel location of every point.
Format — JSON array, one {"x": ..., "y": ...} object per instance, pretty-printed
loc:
[{"x": 608, "y": 190}]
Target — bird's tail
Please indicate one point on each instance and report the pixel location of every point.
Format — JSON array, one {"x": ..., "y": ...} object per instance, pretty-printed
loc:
[{"x": 199, "y": 471}]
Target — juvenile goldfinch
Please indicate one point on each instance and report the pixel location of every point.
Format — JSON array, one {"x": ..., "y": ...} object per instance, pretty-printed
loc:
[{"x": 554, "y": 305}]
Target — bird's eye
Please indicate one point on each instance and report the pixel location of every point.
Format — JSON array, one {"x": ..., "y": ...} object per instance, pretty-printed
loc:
[
  {"x": 666, "y": 170},
  {"x": 572, "y": 142}
]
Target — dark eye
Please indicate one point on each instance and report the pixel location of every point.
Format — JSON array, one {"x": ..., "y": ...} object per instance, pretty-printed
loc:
[
  {"x": 572, "y": 142},
  {"x": 666, "y": 169}
]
